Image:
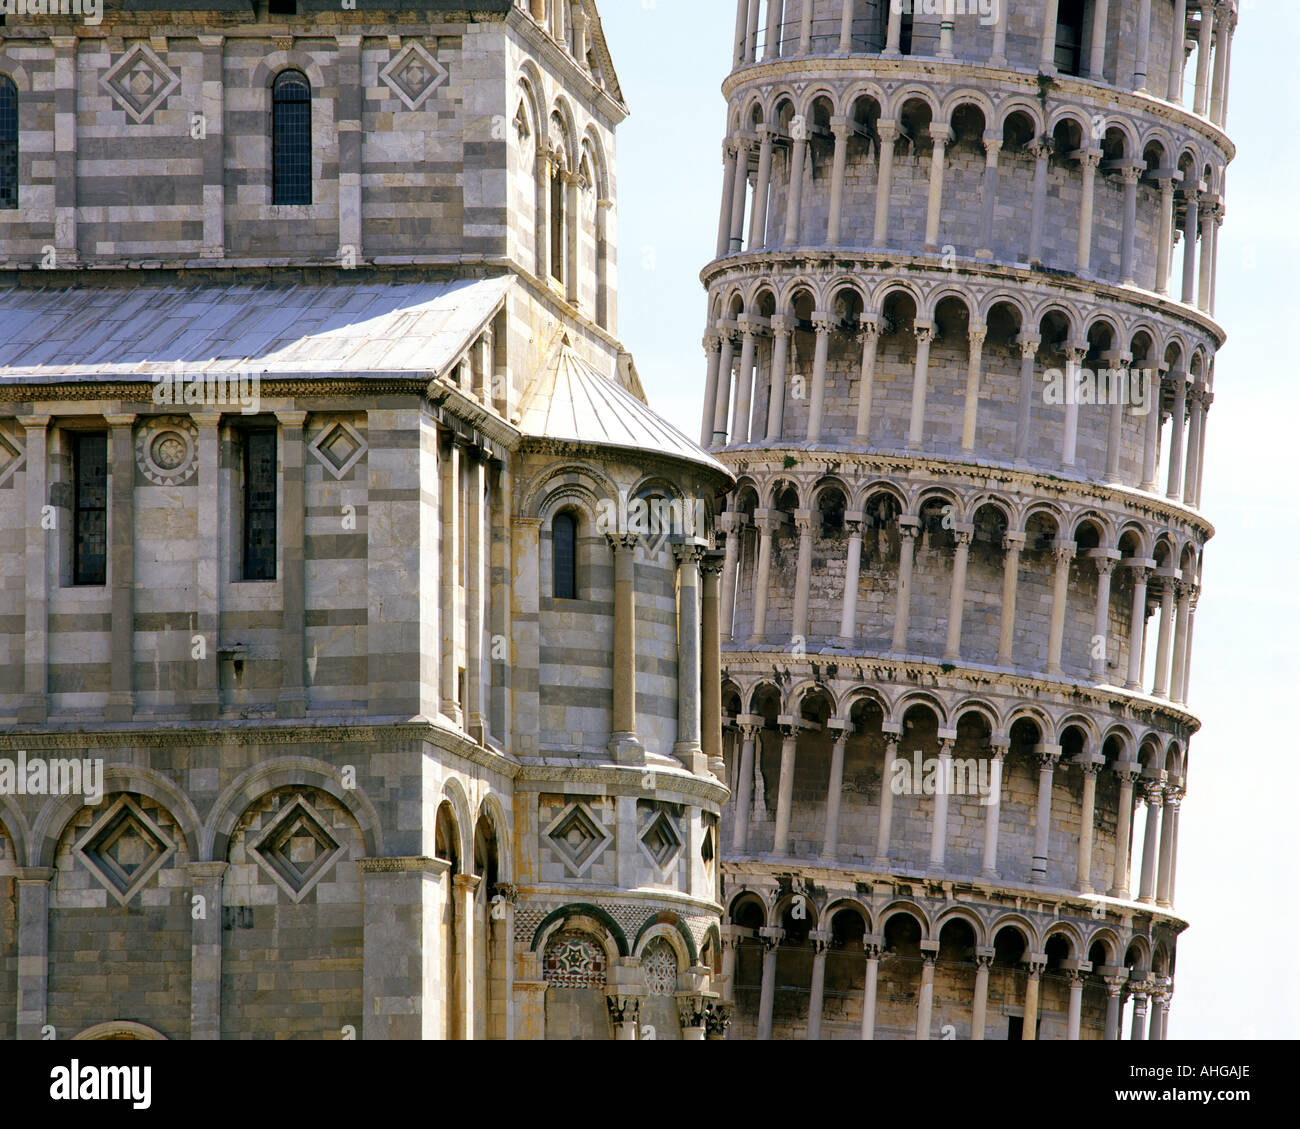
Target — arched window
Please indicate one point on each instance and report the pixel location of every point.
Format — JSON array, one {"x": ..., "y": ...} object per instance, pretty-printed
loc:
[
  {"x": 291, "y": 139},
  {"x": 8, "y": 143},
  {"x": 564, "y": 557}
]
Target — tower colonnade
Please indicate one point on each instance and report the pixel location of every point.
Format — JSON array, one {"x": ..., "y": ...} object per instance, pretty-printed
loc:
[{"x": 960, "y": 357}]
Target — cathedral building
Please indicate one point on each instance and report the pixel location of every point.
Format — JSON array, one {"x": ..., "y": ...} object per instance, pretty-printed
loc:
[
  {"x": 359, "y": 622},
  {"x": 961, "y": 348}
]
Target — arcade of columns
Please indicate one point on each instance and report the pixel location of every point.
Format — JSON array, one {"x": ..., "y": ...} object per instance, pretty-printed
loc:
[{"x": 751, "y": 421}]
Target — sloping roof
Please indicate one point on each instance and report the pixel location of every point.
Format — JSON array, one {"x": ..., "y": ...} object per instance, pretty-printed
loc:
[
  {"x": 278, "y": 329},
  {"x": 572, "y": 402}
]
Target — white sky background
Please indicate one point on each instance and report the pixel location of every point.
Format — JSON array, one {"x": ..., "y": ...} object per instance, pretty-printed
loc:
[{"x": 1239, "y": 849}]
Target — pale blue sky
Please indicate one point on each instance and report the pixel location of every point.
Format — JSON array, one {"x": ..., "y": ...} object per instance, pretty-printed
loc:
[{"x": 1237, "y": 859}]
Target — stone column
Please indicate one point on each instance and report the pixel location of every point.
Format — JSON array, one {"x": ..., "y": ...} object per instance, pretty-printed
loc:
[
  {"x": 451, "y": 556},
  {"x": 817, "y": 992},
  {"x": 213, "y": 137},
  {"x": 348, "y": 103},
  {"x": 843, "y": 130},
  {"x": 1165, "y": 248},
  {"x": 33, "y": 927},
  {"x": 798, "y": 154},
  {"x": 941, "y": 134},
  {"x": 834, "y": 789},
  {"x": 205, "y": 949},
  {"x": 785, "y": 787},
  {"x": 623, "y": 743},
  {"x": 1074, "y": 356},
  {"x": 732, "y": 527},
  {"x": 939, "y": 822},
  {"x": 872, "y": 950},
  {"x": 920, "y": 382},
  {"x": 1143, "y": 46},
  {"x": 1028, "y": 343},
  {"x": 206, "y": 703},
  {"x": 1063, "y": 551},
  {"x": 771, "y": 939},
  {"x": 1037, "y": 964},
  {"x": 1128, "y": 773},
  {"x": 1097, "y": 56},
  {"x": 762, "y": 191},
  {"x": 464, "y": 886},
  {"x": 750, "y": 727},
  {"x": 782, "y": 327},
  {"x": 1195, "y": 443},
  {"x": 846, "y": 26},
  {"x": 34, "y": 709},
  {"x": 625, "y": 1014},
  {"x": 713, "y": 350},
  {"x": 884, "y": 828},
  {"x": 989, "y": 193},
  {"x": 1154, "y": 420},
  {"x": 1141, "y": 994},
  {"x": 1012, "y": 543},
  {"x": 925, "y": 998},
  {"x": 1137, "y": 625},
  {"x": 1207, "y": 399},
  {"x": 64, "y": 166},
  {"x": 731, "y": 935},
  {"x": 1204, "y": 54},
  {"x": 1047, "y": 755},
  {"x": 957, "y": 598},
  {"x": 1177, "y": 53},
  {"x": 1222, "y": 57},
  {"x": 1178, "y": 691},
  {"x": 805, "y": 28},
  {"x": 894, "y": 31},
  {"x": 888, "y": 133},
  {"x": 1153, "y": 790},
  {"x": 1090, "y": 766},
  {"x": 903, "y": 606},
  {"x": 980, "y": 1003},
  {"x": 744, "y": 380},
  {"x": 1041, "y": 151},
  {"x": 803, "y": 520},
  {"x": 869, "y": 337},
  {"x": 1158, "y": 998},
  {"x": 1168, "y": 579},
  {"x": 974, "y": 376},
  {"x": 1089, "y": 160},
  {"x": 1121, "y": 373},
  {"x": 1114, "y": 986},
  {"x": 722, "y": 405},
  {"x": 852, "y": 581},
  {"x": 1208, "y": 229},
  {"x": 689, "y": 749},
  {"x": 121, "y": 456},
  {"x": 993, "y": 805},
  {"x": 768, "y": 523},
  {"x": 711, "y": 664},
  {"x": 738, "y": 194},
  {"x": 1106, "y": 561},
  {"x": 1191, "y": 227},
  {"x": 1177, "y": 438},
  {"x": 477, "y": 592},
  {"x": 1164, "y": 883},
  {"x": 772, "y": 40},
  {"x": 824, "y": 323},
  {"x": 1047, "y": 51},
  {"x": 730, "y": 174},
  {"x": 1075, "y": 1012},
  {"x": 1128, "y": 247}
]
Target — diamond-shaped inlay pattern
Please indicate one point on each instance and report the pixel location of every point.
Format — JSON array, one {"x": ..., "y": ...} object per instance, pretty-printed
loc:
[
  {"x": 338, "y": 447},
  {"x": 578, "y": 837},
  {"x": 11, "y": 457},
  {"x": 124, "y": 848},
  {"x": 140, "y": 82},
  {"x": 413, "y": 75},
  {"x": 661, "y": 841},
  {"x": 296, "y": 848}
]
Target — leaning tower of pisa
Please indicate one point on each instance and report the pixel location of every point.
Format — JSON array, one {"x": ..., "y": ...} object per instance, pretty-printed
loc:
[{"x": 961, "y": 345}]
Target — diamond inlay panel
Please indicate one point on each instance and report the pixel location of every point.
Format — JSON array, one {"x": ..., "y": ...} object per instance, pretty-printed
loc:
[
  {"x": 338, "y": 448},
  {"x": 140, "y": 82},
  {"x": 124, "y": 849},
  {"x": 661, "y": 841},
  {"x": 413, "y": 75},
  {"x": 578, "y": 837},
  {"x": 297, "y": 849}
]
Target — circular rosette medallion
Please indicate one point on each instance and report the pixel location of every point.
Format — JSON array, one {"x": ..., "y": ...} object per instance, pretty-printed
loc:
[{"x": 167, "y": 450}]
